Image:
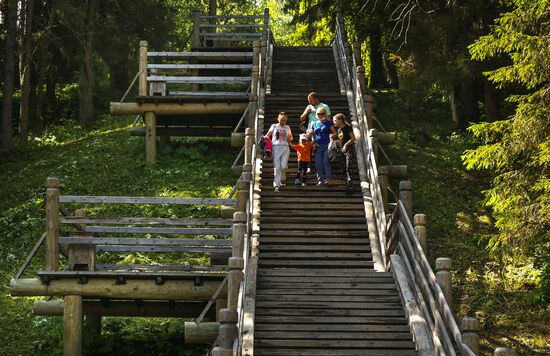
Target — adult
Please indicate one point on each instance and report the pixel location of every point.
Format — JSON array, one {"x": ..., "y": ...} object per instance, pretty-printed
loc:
[
  {"x": 280, "y": 135},
  {"x": 311, "y": 110},
  {"x": 321, "y": 131},
  {"x": 345, "y": 138}
]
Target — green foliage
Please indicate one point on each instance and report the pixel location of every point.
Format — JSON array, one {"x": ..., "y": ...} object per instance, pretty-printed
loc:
[
  {"x": 516, "y": 150},
  {"x": 101, "y": 160}
]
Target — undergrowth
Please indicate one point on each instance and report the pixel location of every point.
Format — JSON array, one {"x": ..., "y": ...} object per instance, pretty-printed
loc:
[
  {"x": 459, "y": 227},
  {"x": 104, "y": 160}
]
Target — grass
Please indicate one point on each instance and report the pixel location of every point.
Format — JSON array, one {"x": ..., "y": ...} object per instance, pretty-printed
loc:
[
  {"x": 459, "y": 226},
  {"x": 103, "y": 160}
]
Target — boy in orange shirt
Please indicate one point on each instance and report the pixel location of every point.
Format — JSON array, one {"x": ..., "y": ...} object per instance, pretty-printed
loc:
[{"x": 304, "y": 158}]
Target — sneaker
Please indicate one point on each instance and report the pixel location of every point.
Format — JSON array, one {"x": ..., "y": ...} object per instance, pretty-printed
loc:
[
  {"x": 304, "y": 184},
  {"x": 297, "y": 181},
  {"x": 283, "y": 184},
  {"x": 328, "y": 181},
  {"x": 321, "y": 183},
  {"x": 276, "y": 189}
]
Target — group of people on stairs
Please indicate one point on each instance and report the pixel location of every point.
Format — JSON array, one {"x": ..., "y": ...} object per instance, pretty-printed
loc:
[{"x": 324, "y": 137}]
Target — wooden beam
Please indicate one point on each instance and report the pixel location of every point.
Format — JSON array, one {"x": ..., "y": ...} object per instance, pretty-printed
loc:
[
  {"x": 201, "y": 333},
  {"x": 200, "y": 66},
  {"x": 187, "y": 131},
  {"x": 124, "y": 308},
  {"x": 52, "y": 224},
  {"x": 176, "y": 108},
  {"x": 198, "y": 79},
  {"x": 108, "y": 288},
  {"x": 145, "y": 200},
  {"x": 146, "y": 221},
  {"x": 199, "y": 54},
  {"x": 133, "y": 241}
]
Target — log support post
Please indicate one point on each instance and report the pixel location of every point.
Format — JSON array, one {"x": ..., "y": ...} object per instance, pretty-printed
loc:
[
  {"x": 150, "y": 137},
  {"x": 143, "y": 68},
  {"x": 72, "y": 325},
  {"x": 420, "y": 221},
  {"x": 443, "y": 277},
  {"x": 383, "y": 180},
  {"x": 52, "y": 224},
  {"x": 263, "y": 60},
  {"x": 239, "y": 230},
  {"x": 470, "y": 333},
  {"x": 406, "y": 196},
  {"x": 92, "y": 323},
  {"x": 370, "y": 106},
  {"x": 247, "y": 173},
  {"x": 505, "y": 351}
]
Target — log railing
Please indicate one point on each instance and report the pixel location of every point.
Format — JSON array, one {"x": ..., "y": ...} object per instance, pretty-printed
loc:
[
  {"x": 395, "y": 243},
  {"x": 219, "y": 31}
]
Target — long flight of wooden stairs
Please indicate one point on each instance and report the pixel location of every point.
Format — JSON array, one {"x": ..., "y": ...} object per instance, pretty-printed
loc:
[{"x": 317, "y": 292}]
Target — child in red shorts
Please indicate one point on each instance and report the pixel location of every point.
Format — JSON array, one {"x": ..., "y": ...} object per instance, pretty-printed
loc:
[{"x": 304, "y": 158}]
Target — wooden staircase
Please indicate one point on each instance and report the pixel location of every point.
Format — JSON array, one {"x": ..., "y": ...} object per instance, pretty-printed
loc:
[{"x": 317, "y": 292}]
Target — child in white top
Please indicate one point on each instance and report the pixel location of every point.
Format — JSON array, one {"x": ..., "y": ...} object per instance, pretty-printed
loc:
[{"x": 280, "y": 135}]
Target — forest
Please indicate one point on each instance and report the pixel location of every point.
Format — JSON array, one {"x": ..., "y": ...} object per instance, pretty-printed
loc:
[{"x": 466, "y": 84}]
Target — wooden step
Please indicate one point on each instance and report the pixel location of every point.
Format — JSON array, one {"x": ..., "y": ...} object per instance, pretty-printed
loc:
[
  {"x": 331, "y": 352},
  {"x": 331, "y": 335},
  {"x": 331, "y": 327},
  {"x": 349, "y": 320},
  {"x": 335, "y": 263},
  {"x": 327, "y": 285},
  {"x": 313, "y": 241},
  {"x": 330, "y": 298},
  {"x": 313, "y": 248},
  {"x": 313, "y": 213},
  {"x": 274, "y": 304},
  {"x": 283, "y": 256},
  {"x": 323, "y": 279}
]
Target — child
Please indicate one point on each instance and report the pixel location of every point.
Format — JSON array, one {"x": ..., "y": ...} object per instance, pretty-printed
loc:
[
  {"x": 281, "y": 135},
  {"x": 265, "y": 147},
  {"x": 345, "y": 139},
  {"x": 303, "y": 149}
]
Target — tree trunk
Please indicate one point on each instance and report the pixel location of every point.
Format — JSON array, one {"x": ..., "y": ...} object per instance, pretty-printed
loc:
[
  {"x": 86, "y": 88},
  {"x": 392, "y": 74},
  {"x": 469, "y": 109},
  {"x": 455, "y": 117},
  {"x": 26, "y": 70},
  {"x": 490, "y": 95},
  {"x": 44, "y": 63},
  {"x": 9, "y": 76},
  {"x": 377, "y": 77}
]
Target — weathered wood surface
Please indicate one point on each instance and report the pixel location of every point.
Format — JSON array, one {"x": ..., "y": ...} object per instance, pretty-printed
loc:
[
  {"x": 144, "y": 200},
  {"x": 171, "y": 309},
  {"x": 145, "y": 221},
  {"x": 199, "y": 80},
  {"x": 108, "y": 288},
  {"x": 200, "y": 54},
  {"x": 177, "y": 108},
  {"x": 203, "y": 270},
  {"x": 158, "y": 230},
  {"x": 122, "y": 241},
  {"x": 199, "y": 66}
]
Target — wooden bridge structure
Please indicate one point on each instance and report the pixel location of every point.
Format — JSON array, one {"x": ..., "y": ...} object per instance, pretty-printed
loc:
[{"x": 304, "y": 271}]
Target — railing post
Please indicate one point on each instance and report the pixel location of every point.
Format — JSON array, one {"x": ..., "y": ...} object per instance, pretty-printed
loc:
[
  {"x": 52, "y": 224},
  {"x": 357, "y": 53},
  {"x": 360, "y": 70},
  {"x": 406, "y": 196},
  {"x": 373, "y": 134},
  {"x": 143, "y": 68},
  {"x": 266, "y": 24},
  {"x": 228, "y": 332},
  {"x": 420, "y": 221},
  {"x": 238, "y": 232},
  {"x": 248, "y": 143},
  {"x": 505, "y": 351},
  {"x": 443, "y": 277},
  {"x": 470, "y": 336},
  {"x": 234, "y": 278},
  {"x": 347, "y": 49},
  {"x": 81, "y": 257},
  {"x": 196, "y": 29},
  {"x": 242, "y": 194},
  {"x": 383, "y": 179},
  {"x": 263, "y": 59}
]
